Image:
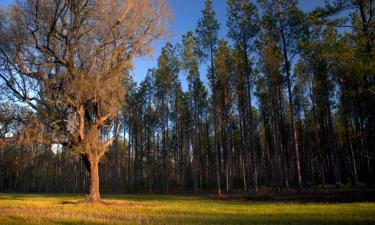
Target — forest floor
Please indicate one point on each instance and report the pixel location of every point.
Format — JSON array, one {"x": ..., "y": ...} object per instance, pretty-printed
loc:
[{"x": 67, "y": 209}]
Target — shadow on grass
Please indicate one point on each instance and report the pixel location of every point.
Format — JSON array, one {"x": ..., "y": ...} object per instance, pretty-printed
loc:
[
  {"x": 152, "y": 197},
  {"x": 132, "y": 197},
  {"x": 71, "y": 202},
  {"x": 16, "y": 196}
]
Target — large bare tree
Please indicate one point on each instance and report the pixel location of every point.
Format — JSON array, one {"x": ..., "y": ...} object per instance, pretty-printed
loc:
[{"x": 68, "y": 60}]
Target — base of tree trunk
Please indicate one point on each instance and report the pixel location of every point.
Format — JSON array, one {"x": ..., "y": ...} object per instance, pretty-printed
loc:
[
  {"x": 94, "y": 191},
  {"x": 94, "y": 199}
]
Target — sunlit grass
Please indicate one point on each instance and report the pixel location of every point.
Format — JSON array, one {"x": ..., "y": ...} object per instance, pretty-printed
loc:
[{"x": 143, "y": 209}]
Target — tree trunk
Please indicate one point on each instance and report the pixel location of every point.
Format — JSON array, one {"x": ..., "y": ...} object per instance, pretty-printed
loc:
[
  {"x": 149, "y": 159},
  {"x": 217, "y": 156},
  {"x": 316, "y": 132},
  {"x": 250, "y": 129},
  {"x": 331, "y": 134},
  {"x": 291, "y": 108},
  {"x": 94, "y": 194},
  {"x": 115, "y": 166}
]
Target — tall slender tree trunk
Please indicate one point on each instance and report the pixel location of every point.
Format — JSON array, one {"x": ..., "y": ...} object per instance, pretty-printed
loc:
[
  {"x": 165, "y": 147},
  {"x": 352, "y": 158},
  {"x": 291, "y": 108},
  {"x": 333, "y": 146},
  {"x": 182, "y": 161},
  {"x": 331, "y": 134},
  {"x": 115, "y": 170},
  {"x": 243, "y": 154},
  {"x": 149, "y": 159},
  {"x": 316, "y": 132},
  {"x": 129, "y": 179},
  {"x": 348, "y": 126},
  {"x": 277, "y": 143},
  {"x": 251, "y": 123},
  {"x": 195, "y": 147},
  {"x": 217, "y": 157},
  {"x": 224, "y": 147},
  {"x": 283, "y": 150}
]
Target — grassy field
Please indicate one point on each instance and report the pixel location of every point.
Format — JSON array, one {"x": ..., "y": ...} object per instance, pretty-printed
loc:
[{"x": 143, "y": 209}]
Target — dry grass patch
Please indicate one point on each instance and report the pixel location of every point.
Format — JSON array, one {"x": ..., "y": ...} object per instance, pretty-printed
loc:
[{"x": 181, "y": 210}]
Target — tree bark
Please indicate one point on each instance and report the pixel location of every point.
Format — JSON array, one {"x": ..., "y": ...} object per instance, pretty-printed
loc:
[
  {"x": 94, "y": 194},
  {"x": 92, "y": 167},
  {"x": 251, "y": 123},
  {"x": 291, "y": 108}
]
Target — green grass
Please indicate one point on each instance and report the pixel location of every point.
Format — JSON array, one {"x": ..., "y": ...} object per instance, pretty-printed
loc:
[{"x": 143, "y": 209}]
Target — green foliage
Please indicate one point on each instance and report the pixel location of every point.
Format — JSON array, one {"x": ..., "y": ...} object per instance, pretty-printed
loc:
[
  {"x": 243, "y": 20},
  {"x": 223, "y": 80},
  {"x": 207, "y": 29},
  {"x": 190, "y": 58}
]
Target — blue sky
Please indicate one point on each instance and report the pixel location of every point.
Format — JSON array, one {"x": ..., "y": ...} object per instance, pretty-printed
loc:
[{"x": 186, "y": 13}]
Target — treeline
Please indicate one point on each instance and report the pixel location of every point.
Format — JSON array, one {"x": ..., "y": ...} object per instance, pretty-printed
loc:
[{"x": 289, "y": 103}]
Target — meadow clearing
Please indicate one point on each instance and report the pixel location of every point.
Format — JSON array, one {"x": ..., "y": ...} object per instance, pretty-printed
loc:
[{"x": 38, "y": 209}]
